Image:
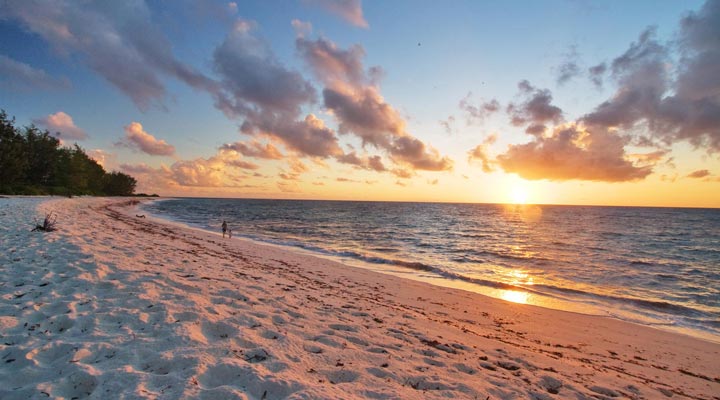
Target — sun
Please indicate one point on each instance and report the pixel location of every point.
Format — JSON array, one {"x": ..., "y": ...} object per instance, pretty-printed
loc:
[{"x": 519, "y": 195}]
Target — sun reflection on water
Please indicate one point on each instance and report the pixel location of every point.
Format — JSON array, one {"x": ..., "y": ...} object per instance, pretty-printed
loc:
[{"x": 515, "y": 296}]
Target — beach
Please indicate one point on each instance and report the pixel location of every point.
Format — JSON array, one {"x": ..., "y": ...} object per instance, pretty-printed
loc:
[{"x": 113, "y": 305}]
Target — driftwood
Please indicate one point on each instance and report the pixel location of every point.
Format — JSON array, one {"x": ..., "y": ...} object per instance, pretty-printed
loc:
[{"x": 48, "y": 224}]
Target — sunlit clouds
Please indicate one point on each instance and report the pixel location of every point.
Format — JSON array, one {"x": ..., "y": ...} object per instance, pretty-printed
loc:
[
  {"x": 330, "y": 99},
  {"x": 62, "y": 125},
  {"x": 137, "y": 138}
]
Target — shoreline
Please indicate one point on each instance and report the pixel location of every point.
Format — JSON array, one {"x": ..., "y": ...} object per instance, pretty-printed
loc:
[
  {"x": 187, "y": 314},
  {"x": 592, "y": 304}
]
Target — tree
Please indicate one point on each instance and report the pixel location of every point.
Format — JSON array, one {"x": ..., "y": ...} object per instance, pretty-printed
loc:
[
  {"x": 119, "y": 184},
  {"x": 33, "y": 162},
  {"x": 41, "y": 151},
  {"x": 13, "y": 161}
]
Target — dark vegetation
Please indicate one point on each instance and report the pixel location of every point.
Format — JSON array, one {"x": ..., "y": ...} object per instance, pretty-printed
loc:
[
  {"x": 32, "y": 162},
  {"x": 48, "y": 224}
]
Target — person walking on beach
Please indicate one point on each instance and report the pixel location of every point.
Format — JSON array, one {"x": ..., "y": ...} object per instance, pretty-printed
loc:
[{"x": 224, "y": 228}]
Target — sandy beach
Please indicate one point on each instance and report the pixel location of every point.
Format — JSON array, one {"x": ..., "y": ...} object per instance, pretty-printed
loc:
[{"x": 116, "y": 306}]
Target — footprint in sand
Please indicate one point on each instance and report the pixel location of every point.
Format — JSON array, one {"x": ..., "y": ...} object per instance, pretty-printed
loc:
[
  {"x": 341, "y": 376},
  {"x": 342, "y": 327},
  {"x": 466, "y": 369},
  {"x": 77, "y": 385},
  {"x": 218, "y": 330},
  {"x": 227, "y": 374},
  {"x": 313, "y": 348},
  {"x": 434, "y": 363},
  {"x": 604, "y": 391},
  {"x": 270, "y": 334},
  {"x": 52, "y": 353},
  {"x": 552, "y": 385}
]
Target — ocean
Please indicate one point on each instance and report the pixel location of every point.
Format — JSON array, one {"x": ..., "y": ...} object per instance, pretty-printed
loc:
[{"x": 653, "y": 266}]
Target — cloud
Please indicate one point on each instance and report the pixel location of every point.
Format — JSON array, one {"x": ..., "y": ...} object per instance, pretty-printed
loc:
[
  {"x": 680, "y": 106},
  {"x": 480, "y": 153},
  {"x": 414, "y": 152},
  {"x": 447, "y": 124},
  {"x": 403, "y": 173},
  {"x": 572, "y": 152},
  {"x": 139, "y": 139},
  {"x": 477, "y": 113},
  {"x": 341, "y": 179},
  {"x": 258, "y": 88},
  {"x": 332, "y": 65},
  {"x": 255, "y": 149},
  {"x": 349, "y": 10},
  {"x": 536, "y": 109},
  {"x": 253, "y": 80},
  {"x": 301, "y": 28},
  {"x": 567, "y": 71},
  {"x": 308, "y": 137},
  {"x": 653, "y": 105},
  {"x": 597, "y": 73},
  {"x": 63, "y": 125},
  {"x": 372, "y": 163},
  {"x": 569, "y": 68},
  {"x": 353, "y": 96},
  {"x": 242, "y": 164},
  {"x": 105, "y": 159},
  {"x": 701, "y": 173},
  {"x": 141, "y": 168},
  {"x": 118, "y": 40},
  {"x": 215, "y": 171},
  {"x": 18, "y": 76},
  {"x": 297, "y": 166}
]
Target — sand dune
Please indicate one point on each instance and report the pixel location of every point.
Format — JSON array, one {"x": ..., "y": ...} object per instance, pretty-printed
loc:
[{"x": 115, "y": 306}]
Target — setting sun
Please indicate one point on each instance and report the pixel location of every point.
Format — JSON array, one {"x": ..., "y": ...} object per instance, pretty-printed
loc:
[{"x": 519, "y": 195}]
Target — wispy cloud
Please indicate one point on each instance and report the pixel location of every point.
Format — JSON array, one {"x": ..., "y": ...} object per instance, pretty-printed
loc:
[
  {"x": 255, "y": 149},
  {"x": 18, "y": 76},
  {"x": 477, "y": 113},
  {"x": 349, "y": 10},
  {"x": 118, "y": 40}
]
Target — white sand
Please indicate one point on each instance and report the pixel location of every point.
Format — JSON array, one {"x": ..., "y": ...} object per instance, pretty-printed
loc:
[{"x": 115, "y": 306}]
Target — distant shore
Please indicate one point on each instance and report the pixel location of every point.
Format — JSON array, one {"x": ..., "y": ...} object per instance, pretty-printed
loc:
[{"x": 113, "y": 303}]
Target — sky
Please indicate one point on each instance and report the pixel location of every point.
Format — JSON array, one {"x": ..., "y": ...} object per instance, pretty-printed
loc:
[{"x": 544, "y": 102}]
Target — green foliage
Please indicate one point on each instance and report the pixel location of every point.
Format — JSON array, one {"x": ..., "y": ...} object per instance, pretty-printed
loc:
[
  {"x": 33, "y": 163},
  {"x": 119, "y": 184}
]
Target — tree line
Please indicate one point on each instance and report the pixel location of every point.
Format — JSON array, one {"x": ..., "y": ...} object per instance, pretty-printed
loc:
[{"x": 32, "y": 162}]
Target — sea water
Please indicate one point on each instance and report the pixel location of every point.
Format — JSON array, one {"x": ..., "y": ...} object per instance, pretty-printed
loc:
[{"x": 655, "y": 266}]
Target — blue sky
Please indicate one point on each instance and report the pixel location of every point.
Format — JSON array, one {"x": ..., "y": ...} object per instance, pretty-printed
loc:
[{"x": 432, "y": 55}]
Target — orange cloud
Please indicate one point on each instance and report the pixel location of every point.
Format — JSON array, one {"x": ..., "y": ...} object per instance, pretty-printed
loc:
[
  {"x": 216, "y": 171},
  {"x": 255, "y": 149},
  {"x": 479, "y": 153},
  {"x": 573, "y": 153},
  {"x": 138, "y": 139},
  {"x": 701, "y": 173}
]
